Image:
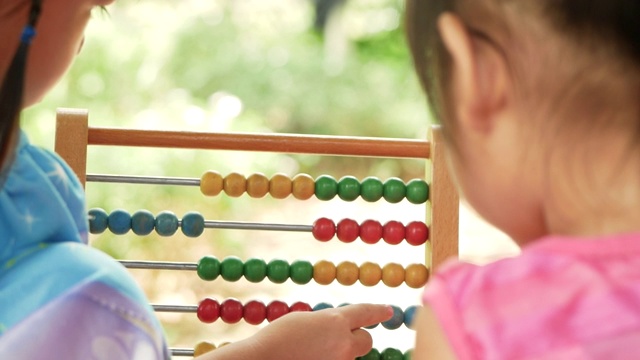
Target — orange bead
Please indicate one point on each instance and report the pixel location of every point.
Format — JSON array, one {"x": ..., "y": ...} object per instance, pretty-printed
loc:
[
  {"x": 234, "y": 184},
  {"x": 211, "y": 183},
  {"x": 324, "y": 272},
  {"x": 416, "y": 275},
  {"x": 303, "y": 187},
  {"x": 280, "y": 186},
  {"x": 203, "y": 348},
  {"x": 393, "y": 275},
  {"x": 257, "y": 185},
  {"x": 347, "y": 273},
  {"x": 370, "y": 274}
]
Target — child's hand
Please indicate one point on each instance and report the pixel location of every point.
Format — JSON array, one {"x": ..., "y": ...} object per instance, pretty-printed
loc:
[{"x": 325, "y": 334}]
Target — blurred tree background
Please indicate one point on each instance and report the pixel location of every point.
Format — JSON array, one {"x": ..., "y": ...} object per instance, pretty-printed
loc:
[{"x": 334, "y": 67}]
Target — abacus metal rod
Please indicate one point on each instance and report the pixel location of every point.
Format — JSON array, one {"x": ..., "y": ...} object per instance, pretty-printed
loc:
[
  {"x": 147, "y": 180},
  {"x": 211, "y": 224},
  {"x": 181, "y": 352},
  {"x": 158, "y": 265},
  {"x": 175, "y": 308},
  {"x": 281, "y": 143}
]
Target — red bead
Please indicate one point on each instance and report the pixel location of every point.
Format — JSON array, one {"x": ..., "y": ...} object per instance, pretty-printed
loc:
[
  {"x": 300, "y": 306},
  {"x": 416, "y": 233},
  {"x": 276, "y": 309},
  {"x": 231, "y": 311},
  {"x": 393, "y": 232},
  {"x": 208, "y": 310},
  {"x": 370, "y": 231},
  {"x": 324, "y": 229},
  {"x": 255, "y": 312},
  {"x": 348, "y": 230}
]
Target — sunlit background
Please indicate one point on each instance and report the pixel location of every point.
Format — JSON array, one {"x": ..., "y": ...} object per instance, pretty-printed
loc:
[{"x": 332, "y": 67}]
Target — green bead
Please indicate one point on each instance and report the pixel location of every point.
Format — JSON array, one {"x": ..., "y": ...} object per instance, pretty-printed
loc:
[
  {"x": 348, "y": 188},
  {"x": 208, "y": 268},
  {"x": 417, "y": 191},
  {"x": 326, "y": 187},
  {"x": 394, "y": 190},
  {"x": 391, "y": 354},
  {"x": 371, "y": 355},
  {"x": 255, "y": 270},
  {"x": 301, "y": 272},
  {"x": 408, "y": 354},
  {"x": 231, "y": 268},
  {"x": 371, "y": 189},
  {"x": 278, "y": 271}
]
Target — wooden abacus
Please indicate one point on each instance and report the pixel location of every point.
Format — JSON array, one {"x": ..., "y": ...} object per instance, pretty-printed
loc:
[{"x": 440, "y": 239}]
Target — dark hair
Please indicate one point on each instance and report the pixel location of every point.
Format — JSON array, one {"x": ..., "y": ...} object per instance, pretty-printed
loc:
[
  {"x": 614, "y": 24},
  {"x": 11, "y": 93}
]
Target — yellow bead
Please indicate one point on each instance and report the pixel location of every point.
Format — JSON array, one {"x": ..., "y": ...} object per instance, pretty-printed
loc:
[
  {"x": 324, "y": 272},
  {"x": 280, "y": 186},
  {"x": 393, "y": 275},
  {"x": 303, "y": 187},
  {"x": 416, "y": 275},
  {"x": 211, "y": 183},
  {"x": 257, "y": 185},
  {"x": 203, "y": 348},
  {"x": 347, "y": 273},
  {"x": 234, "y": 184},
  {"x": 370, "y": 274}
]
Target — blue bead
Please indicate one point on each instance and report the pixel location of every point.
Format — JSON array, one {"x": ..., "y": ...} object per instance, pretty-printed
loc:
[
  {"x": 119, "y": 222},
  {"x": 142, "y": 222},
  {"x": 192, "y": 224},
  {"x": 409, "y": 313},
  {"x": 98, "y": 221},
  {"x": 322, "y": 306},
  {"x": 166, "y": 223},
  {"x": 396, "y": 320}
]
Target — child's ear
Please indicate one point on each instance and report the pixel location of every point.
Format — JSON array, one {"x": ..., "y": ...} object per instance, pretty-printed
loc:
[{"x": 478, "y": 74}]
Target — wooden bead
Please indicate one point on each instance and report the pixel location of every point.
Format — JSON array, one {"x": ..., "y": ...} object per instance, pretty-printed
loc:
[
  {"x": 324, "y": 272},
  {"x": 347, "y": 273},
  {"x": 234, "y": 184},
  {"x": 211, "y": 183},
  {"x": 280, "y": 186},
  {"x": 203, "y": 348},
  {"x": 303, "y": 187},
  {"x": 416, "y": 275},
  {"x": 257, "y": 185},
  {"x": 393, "y": 275},
  {"x": 370, "y": 274}
]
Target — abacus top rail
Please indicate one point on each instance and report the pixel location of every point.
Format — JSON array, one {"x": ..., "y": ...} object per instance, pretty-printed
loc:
[{"x": 283, "y": 143}]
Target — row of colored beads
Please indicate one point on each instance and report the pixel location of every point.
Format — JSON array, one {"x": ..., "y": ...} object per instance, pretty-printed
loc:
[
  {"x": 386, "y": 354},
  {"x": 255, "y": 312},
  {"x": 192, "y": 224},
  {"x": 143, "y": 222},
  {"x": 371, "y": 231},
  {"x": 323, "y": 272},
  {"x": 325, "y": 187}
]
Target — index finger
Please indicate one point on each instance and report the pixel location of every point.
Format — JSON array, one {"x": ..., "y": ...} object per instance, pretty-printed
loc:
[{"x": 362, "y": 315}]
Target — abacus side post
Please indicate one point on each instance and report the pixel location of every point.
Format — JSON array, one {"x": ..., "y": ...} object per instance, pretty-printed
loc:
[
  {"x": 445, "y": 204},
  {"x": 72, "y": 128}
]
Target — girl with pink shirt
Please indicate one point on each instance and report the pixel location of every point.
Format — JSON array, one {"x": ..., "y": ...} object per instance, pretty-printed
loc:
[{"x": 540, "y": 106}]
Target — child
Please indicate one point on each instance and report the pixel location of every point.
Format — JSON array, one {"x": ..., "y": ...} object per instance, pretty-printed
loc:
[
  {"x": 60, "y": 299},
  {"x": 540, "y": 105}
]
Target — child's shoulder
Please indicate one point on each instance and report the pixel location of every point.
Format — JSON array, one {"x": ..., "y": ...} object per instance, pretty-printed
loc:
[{"x": 553, "y": 283}]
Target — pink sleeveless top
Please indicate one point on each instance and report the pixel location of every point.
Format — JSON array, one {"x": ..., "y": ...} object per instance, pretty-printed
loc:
[{"x": 561, "y": 298}]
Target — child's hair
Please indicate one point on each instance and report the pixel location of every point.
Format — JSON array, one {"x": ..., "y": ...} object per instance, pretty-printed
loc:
[
  {"x": 11, "y": 93},
  {"x": 608, "y": 31}
]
